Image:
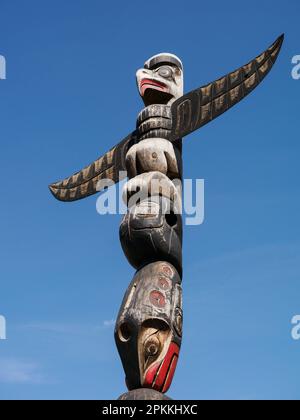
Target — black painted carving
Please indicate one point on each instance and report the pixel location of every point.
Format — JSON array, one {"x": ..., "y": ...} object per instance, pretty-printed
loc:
[
  {"x": 148, "y": 234},
  {"x": 200, "y": 106},
  {"x": 189, "y": 113}
]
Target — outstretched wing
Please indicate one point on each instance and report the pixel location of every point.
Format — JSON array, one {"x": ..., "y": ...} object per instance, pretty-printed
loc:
[
  {"x": 200, "y": 106},
  {"x": 189, "y": 112},
  {"x": 84, "y": 183}
]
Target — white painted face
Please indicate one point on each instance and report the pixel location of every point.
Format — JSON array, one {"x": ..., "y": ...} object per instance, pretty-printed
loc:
[{"x": 161, "y": 80}]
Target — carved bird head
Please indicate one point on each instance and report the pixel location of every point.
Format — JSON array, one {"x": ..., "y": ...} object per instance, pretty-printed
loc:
[{"x": 161, "y": 79}]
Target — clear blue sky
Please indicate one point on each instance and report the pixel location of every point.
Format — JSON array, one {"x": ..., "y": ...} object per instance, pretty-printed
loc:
[{"x": 70, "y": 95}]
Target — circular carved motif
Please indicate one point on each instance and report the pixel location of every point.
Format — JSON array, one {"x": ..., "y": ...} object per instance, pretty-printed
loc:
[
  {"x": 157, "y": 299},
  {"x": 152, "y": 347},
  {"x": 163, "y": 283},
  {"x": 167, "y": 270}
]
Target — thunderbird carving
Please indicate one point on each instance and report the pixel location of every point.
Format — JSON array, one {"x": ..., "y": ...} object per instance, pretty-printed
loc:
[{"x": 148, "y": 330}]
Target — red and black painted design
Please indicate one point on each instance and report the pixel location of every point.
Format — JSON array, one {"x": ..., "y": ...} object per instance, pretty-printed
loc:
[
  {"x": 148, "y": 327},
  {"x": 188, "y": 113},
  {"x": 148, "y": 330},
  {"x": 159, "y": 376}
]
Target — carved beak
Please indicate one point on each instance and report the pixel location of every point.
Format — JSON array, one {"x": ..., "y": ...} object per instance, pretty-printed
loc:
[{"x": 148, "y": 83}]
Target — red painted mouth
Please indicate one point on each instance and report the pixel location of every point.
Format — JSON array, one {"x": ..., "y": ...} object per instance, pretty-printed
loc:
[{"x": 152, "y": 84}]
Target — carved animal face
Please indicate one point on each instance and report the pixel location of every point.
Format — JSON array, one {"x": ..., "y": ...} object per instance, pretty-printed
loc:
[
  {"x": 149, "y": 327},
  {"x": 161, "y": 80}
]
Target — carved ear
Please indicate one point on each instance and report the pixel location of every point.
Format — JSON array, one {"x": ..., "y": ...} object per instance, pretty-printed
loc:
[
  {"x": 84, "y": 183},
  {"x": 202, "y": 105}
]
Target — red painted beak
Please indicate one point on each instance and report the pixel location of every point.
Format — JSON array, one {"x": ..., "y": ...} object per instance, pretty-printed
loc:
[
  {"x": 151, "y": 84},
  {"x": 159, "y": 376}
]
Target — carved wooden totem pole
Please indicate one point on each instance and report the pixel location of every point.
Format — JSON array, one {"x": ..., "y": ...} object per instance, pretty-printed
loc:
[{"x": 148, "y": 329}]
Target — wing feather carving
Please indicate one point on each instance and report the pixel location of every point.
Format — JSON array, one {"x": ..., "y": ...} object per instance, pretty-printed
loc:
[
  {"x": 200, "y": 106},
  {"x": 189, "y": 112},
  {"x": 84, "y": 183}
]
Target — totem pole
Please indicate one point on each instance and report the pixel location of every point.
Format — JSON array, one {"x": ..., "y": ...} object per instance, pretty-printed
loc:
[{"x": 148, "y": 329}]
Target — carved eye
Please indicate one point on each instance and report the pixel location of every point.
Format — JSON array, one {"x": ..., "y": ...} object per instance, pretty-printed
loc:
[
  {"x": 165, "y": 72},
  {"x": 152, "y": 347}
]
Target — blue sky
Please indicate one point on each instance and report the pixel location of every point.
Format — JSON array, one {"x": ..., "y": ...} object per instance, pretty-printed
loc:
[{"x": 69, "y": 96}]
